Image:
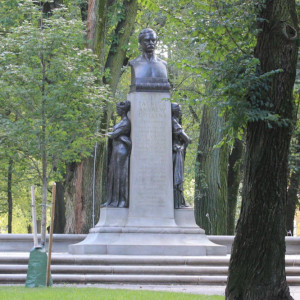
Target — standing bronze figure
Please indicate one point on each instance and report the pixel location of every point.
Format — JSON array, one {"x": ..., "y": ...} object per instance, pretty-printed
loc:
[
  {"x": 180, "y": 143},
  {"x": 118, "y": 173}
]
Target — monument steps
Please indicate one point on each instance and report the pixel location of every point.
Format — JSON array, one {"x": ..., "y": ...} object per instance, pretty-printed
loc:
[
  {"x": 209, "y": 270},
  {"x": 121, "y": 270}
]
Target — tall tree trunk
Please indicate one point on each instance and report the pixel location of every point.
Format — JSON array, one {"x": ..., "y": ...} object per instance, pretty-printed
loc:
[
  {"x": 117, "y": 52},
  {"x": 211, "y": 175},
  {"x": 59, "y": 218},
  {"x": 44, "y": 210},
  {"x": 115, "y": 61},
  {"x": 75, "y": 211},
  {"x": 233, "y": 181},
  {"x": 43, "y": 148},
  {"x": 9, "y": 195},
  {"x": 257, "y": 264},
  {"x": 96, "y": 27},
  {"x": 79, "y": 195},
  {"x": 293, "y": 191}
]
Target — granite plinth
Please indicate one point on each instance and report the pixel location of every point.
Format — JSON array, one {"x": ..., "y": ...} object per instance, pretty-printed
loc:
[{"x": 184, "y": 238}]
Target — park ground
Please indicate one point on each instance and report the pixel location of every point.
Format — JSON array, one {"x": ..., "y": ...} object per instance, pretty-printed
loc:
[{"x": 121, "y": 291}]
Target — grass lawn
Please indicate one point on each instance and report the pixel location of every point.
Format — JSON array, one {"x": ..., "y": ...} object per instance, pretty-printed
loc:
[{"x": 70, "y": 293}]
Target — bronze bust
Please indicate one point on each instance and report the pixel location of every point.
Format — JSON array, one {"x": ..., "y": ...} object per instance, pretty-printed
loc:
[{"x": 148, "y": 72}]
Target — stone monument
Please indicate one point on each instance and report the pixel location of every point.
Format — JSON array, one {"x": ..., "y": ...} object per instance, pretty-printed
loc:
[{"x": 150, "y": 225}]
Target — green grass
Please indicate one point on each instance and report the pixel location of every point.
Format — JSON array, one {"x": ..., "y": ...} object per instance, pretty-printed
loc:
[{"x": 70, "y": 293}]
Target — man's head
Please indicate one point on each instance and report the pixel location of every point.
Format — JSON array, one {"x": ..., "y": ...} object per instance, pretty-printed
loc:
[{"x": 148, "y": 40}]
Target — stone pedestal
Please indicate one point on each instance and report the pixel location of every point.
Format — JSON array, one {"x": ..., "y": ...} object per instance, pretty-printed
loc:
[
  {"x": 151, "y": 225},
  {"x": 109, "y": 236},
  {"x": 151, "y": 171}
]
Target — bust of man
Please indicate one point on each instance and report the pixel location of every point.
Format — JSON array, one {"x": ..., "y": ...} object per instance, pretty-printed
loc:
[{"x": 148, "y": 72}]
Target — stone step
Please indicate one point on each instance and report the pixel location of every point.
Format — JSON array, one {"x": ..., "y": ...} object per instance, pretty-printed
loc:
[
  {"x": 121, "y": 260},
  {"x": 130, "y": 279},
  {"x": 126, "y": 279},
  {"x": 144, "y": 270},
  {"x": 78, "y": 269},
  {"x": 67, "y": 259}
]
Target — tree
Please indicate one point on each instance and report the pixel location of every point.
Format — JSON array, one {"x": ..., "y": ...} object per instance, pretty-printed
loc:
[
  {"x": 109, "y": 25},
  {"x": 49, "y": 84},
  {"x": 257, "y": 265},
  {"x": 294, "y": 178},
  {"x": 226, "y": 67},
  {"x": 233, "y": 182},
  {"x": 211, "y": 175},
  {"x": 293, "y": 184},
  {"x": 210, "y": 62}
]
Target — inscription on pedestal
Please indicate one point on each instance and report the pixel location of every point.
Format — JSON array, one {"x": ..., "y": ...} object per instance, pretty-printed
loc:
[{"x": 151, "y": 193}]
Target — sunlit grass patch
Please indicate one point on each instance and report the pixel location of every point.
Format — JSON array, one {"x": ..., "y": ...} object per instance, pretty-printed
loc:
[{"x": 70, "y": 293}]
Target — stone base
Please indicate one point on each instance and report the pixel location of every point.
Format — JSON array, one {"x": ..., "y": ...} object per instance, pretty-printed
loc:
[{"x": 110, "y": 236}]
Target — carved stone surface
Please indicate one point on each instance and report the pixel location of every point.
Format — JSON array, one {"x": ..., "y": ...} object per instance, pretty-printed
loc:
[
  {"x": 180, "y": 141},
  {"x": 118, "y": 174},
  {"x": 151, "y": 184},
  {"x": 148, "y": 72}
]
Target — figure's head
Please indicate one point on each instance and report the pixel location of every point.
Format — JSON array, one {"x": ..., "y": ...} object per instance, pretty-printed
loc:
[
  {"x": 176, "y": 110},
  {"x": 123, "y": 107},
  {"x": 148, "y": 40}
]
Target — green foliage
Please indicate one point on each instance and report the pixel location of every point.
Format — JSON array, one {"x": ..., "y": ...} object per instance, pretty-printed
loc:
[
  {"x": 49, "y": 78},
  {"x": 13, "y": 13},
  {"x": 50, "y": 98},
  {"x": 209, "y": 47}
]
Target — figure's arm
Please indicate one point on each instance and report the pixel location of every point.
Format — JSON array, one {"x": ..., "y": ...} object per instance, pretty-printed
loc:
[
  {"x": 187, "y": 140},
  {"x": 178, "y": 130},
  {"x": 117, "y": 132}
]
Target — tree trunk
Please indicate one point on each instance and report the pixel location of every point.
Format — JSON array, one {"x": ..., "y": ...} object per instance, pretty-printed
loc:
[
  {"x": 79, "y": 194},
  {"x": 293, "y": 191},
  {"x": 257, "y": 265},
  {"x": 233, "y": 181},
  {"x": 79, "y": 214},
  {"x": 117, "y": 52},
  {"x": 9, "y": 196},
  {"x": 44, "y": 210},
  {"x": 96, "y": 27},
  {"x": 59, "y": 218},
  {"x": 211, "y": 175},
  {"x": 75, "y": 212},
  {"x": 43, "y": 150}
]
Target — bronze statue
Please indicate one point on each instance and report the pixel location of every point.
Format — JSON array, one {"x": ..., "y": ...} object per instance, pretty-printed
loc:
[
  {"x": 180, "y": 141},
  {"x": 148, "y": 72},
  {"x": 118, "y": 173}
]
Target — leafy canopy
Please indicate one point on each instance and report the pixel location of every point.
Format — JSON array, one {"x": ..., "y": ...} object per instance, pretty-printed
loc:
[{"x": 50, "y": 97}]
